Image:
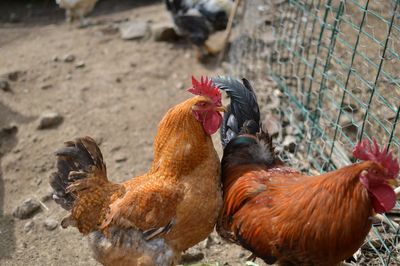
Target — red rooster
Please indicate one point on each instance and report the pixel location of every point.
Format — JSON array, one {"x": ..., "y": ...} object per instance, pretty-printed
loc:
[{"x": 284, "y": 216}]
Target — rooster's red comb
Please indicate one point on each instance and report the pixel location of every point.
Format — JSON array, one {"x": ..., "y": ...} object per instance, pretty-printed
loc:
[
  {"x": 206, "y": 87},
  {"x": 365, "y": 151}
]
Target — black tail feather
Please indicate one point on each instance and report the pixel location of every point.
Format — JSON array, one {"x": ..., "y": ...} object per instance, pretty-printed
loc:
[
  {"x": 76, "y": 160},
  {"x": 242, "y": 136},
  {"x": 243, "y": 107}
]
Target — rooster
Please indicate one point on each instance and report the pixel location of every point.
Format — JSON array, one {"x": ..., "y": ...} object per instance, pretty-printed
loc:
[
  {"x": 284, "y": 216},
  {"x": 197, "y": 19},
  {"x": 152, "y": 218},
  {"x": 77, "y": 9}
]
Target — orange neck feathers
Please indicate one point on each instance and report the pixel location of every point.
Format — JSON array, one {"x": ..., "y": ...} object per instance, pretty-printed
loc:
[{"x": 181, "y": 142}]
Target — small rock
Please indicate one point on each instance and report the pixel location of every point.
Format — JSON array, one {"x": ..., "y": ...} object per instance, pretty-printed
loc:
[
  {"x": 180, "y": 86},
  {"x": 15, "y": 75},
  {"x": 119, "y": 158},
  {"x": 109, "y": 30},
  {"x": 9, "y": 130},
  {"x": 4, "y": 85},
  {"x": 164, "y": 32},
  {"x": 348, "y": 124},
  {"x": 275, "y": 103},
  {"x": 80, "y": 64},
  {"x": 28, "y": 226},
  {"x": 46, "y": 197},
  {"x": 69, "y": 58},
  {"x": 118, "y": 80},
  {"x": 27, "y": 209},
  {"x": 242, "y": 254},
  {"x": 350, "y": 108},
  {"x": 46, "y": 86},
  {"x": 50, "y": 224},
  {"x": 134, "y": 30},
  {"x": 188, "y": 258},
  {"x": 290, "y": 130},
  {"x": 50, "y": 120},
  {"x": 209, "y": 242},
  {"x": 277, "y": 93},
  {"x": 272, "y": 124},
  {"x": 289, "y": 143},
  {"x": 55, "y": 58}
]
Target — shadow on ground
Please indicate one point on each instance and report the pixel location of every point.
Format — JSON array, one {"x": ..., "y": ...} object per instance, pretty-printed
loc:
[{"x": 9, "y": 121}]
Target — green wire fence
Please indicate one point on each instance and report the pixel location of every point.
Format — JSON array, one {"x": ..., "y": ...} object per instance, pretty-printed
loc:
[{"x": 334, "y": 66}]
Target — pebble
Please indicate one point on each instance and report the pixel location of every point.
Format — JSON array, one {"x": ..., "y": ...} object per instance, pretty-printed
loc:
[
  {"x": 47, "y": 196},
  {"x": 4, "y": 85},
  {"x": 119, "y": 158},
  {"x": 163, "y": 32},
  {"x": 191, "y": 257},
  {"x": 109, "y": 30},
  {"x": 15, "y": 75},
  {"x": 27, "y": 209},
  {"x": 181, "y": 86},
  {"x": 46, "y": 86},
  {"x": 134, "y": 30},
  {"x": 69, "y": 58},
  {"x": 289, "y": 143},
  {"x": 50, "y": 224},
  {"x": 9, "y": 129},
  {"x": 272, "y": 125},
  {"x": 28, "y": 226},
  {"x": 50, "y": 120},
  {"x": 80, "y": 64},
  {"x": 347, "y": 124}
]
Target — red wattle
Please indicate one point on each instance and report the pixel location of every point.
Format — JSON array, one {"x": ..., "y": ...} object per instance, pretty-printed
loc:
[
  {"x": 212, "y": 121},
  {"x": 383, "y": 198}
]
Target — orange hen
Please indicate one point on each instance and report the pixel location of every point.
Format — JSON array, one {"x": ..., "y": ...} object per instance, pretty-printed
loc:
[
  {"x": 284, "y": 216},
  {"x": 152, "y": 218}
]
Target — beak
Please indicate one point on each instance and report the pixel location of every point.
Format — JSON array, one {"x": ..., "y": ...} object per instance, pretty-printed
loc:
[
  {"x": 221, "y": 109},
  {"x": 392, "y": 182}
]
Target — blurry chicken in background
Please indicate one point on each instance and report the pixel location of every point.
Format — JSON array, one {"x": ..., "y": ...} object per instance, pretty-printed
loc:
[
  {"x": 77, "y": 9},
  {"x": 284, "y": 216},
  {"x": 152, "y": 218},
  {"x": 198, "y": 19}
]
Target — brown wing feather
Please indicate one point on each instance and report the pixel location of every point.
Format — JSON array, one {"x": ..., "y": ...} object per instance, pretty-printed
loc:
[{"x": 150, "y": 202}]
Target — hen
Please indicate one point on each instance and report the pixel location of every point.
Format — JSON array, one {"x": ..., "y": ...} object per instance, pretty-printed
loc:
[
  {"x": 197, "y": 19},
  {"x": 152, "y": 218},
  {"x": 284, "y": 216},
  {"x": 76, "y": 9}
]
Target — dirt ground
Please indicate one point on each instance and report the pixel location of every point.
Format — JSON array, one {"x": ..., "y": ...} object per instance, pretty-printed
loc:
[{"x": 115, "y": 91}]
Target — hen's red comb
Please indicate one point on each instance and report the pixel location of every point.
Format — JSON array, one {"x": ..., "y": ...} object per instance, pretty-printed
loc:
[
  {"x": 365, "y": 151},
  {"x": 206, "y": 87}
]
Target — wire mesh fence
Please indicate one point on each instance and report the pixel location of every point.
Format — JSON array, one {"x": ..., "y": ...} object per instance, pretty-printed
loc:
[{"x": 329, "y": 72}]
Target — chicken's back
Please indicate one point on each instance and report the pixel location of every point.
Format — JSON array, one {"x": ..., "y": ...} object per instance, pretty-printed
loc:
[
  {"x": 282, "y": 215},
  {"x": 84, "y": 6}
]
